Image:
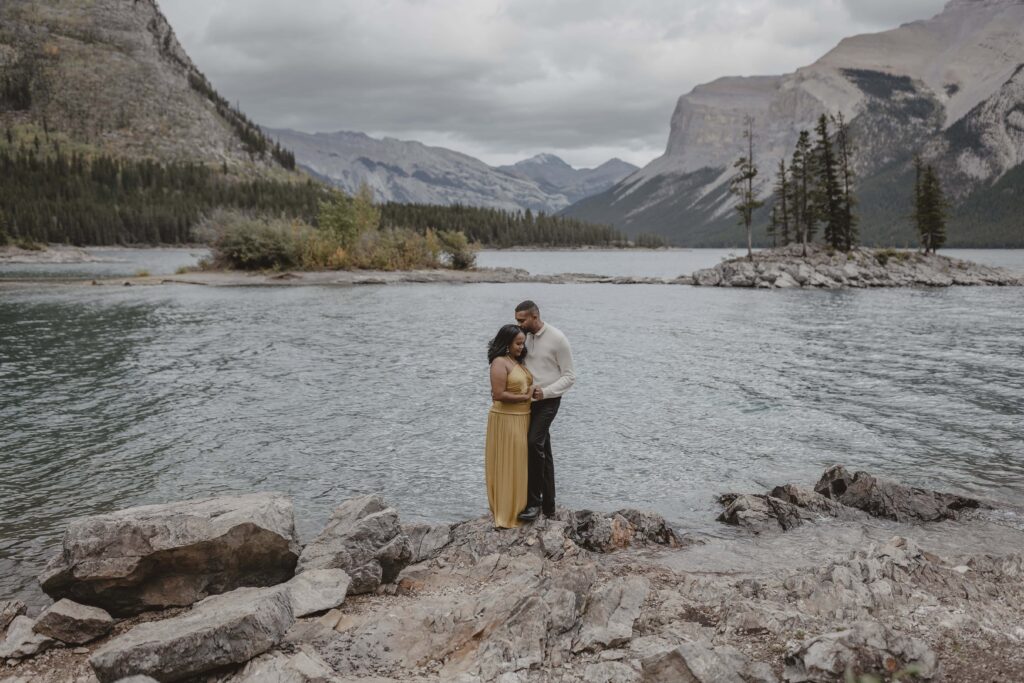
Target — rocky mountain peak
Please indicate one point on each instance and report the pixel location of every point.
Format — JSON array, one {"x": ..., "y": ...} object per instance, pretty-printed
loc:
[{"x": 111, "y": 76}]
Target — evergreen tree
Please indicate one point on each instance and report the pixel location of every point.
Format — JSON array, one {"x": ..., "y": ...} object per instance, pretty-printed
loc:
[
  {"x": 827, "y": 194},
  {"x": 802, "y": 172},
  {"x": 780, "y": 209},
  {"x": 773, "y": 225},
  {"x": 931, "y": 207},
  {"x": 844, "y": 150},
  {"x": 742, "y": 186}
]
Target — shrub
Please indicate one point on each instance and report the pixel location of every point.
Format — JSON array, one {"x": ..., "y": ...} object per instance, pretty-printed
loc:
[
  {"x": 461, "y": 255},
  {"x": 28, "y": 244},
  {"x": 141, "y": 272},
  {"x": 252, "y": 244}
]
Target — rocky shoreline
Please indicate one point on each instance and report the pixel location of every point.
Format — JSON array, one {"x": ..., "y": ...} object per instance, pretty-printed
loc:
[
  {"x": 786, "y": 268},
  {"x": 857, "y": 573}
]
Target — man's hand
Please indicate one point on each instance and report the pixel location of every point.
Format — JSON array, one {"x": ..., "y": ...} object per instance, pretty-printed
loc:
[{"x": 538, "y": 394}]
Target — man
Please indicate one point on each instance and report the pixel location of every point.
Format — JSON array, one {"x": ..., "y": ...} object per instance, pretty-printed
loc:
[{"x": 549, "y": 359}]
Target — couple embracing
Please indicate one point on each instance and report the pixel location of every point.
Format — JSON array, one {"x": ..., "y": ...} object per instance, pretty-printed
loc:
[{"x": 531, "y": 368}]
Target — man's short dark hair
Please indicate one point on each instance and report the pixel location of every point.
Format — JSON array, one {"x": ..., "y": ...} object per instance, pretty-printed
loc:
[{"x": 527, "y": 306}]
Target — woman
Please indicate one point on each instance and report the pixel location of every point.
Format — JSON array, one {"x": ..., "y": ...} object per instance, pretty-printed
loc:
[{"x": 507, "y": 426}]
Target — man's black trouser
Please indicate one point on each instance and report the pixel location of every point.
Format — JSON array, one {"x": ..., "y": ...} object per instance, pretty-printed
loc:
[{"x": 541, "y": 467}]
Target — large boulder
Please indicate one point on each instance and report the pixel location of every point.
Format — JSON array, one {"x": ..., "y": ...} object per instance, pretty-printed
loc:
[
  {"x": 219, "y": 631},
  {"x": 159, "y": 556},
  {"x": 865, "y": 649},
  {"x": 74, "y": 624},
  {"x": 364, "y": 537},
  {"x": 888, "y": 499}
]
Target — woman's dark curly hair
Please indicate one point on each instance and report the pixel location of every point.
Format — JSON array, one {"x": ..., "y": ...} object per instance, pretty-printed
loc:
[{"x": 502, "y": 341}]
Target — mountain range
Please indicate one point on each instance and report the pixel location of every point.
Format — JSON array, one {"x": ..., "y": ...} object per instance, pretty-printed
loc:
[
  {"x": 410, "y": 171},
  {"x": 950, "y": 88}
]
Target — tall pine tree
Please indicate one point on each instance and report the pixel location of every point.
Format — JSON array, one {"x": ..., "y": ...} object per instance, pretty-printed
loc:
[
  {"x": 930, "y": 207},
  {"x": 827, "y": 195},
  {"x": 780, "y": 207},
  {"x": 844, "y": 162},
  {"x": 802, "y": 173},
  {"x": 742, "y": 186}
]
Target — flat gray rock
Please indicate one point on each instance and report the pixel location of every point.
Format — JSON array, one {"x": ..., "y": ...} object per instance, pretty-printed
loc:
[
  {"x": 159, "y": 556},
  {"x": 219, "y": 631},
  {"x": 74, "y": 624},
  {"x": 22, "y": 641},
  {"x": 317, "y": 590},
  {"x": 364, "y": 537}
]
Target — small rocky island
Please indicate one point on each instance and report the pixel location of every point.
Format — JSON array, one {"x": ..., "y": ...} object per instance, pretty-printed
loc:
[
  {"x": 787, "y": 267},
  {"x": 857, "y": 574}
]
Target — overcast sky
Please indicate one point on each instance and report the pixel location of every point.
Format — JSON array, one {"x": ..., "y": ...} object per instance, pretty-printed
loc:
[{"x": 503, "y": 80}]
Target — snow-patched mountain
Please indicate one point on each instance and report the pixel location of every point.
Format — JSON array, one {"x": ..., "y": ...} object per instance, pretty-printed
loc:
[
  {"x": 408, "y": 171},
  {"x": 949, "y": 87},
  {"x": 554, "y": 175}
]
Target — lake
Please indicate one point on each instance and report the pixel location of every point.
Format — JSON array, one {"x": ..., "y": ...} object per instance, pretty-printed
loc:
[{"x": 118, "y": 396}]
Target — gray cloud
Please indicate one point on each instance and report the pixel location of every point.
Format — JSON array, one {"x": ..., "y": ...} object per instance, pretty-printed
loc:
[{"x": 505, "y": 79}]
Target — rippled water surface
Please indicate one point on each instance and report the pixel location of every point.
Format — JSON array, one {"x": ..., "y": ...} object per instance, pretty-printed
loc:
[{"x": 114, "y": 396}]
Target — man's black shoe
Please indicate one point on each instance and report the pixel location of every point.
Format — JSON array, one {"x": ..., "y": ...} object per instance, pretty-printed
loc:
[{"x": 529, "y": 514}]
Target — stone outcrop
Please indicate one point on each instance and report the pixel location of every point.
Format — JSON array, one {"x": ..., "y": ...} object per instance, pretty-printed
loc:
[
  {"x": 701, "y": 662},
  {"x": 842, "y": 495},
  {"x": 74, "y": 624},
  {"x": 867, "y": 647},
  {"x": 219, "y": 631},
  {"x": 602, "y": 532},
  {"x": 173, "y": 555},
  {"x": 426, "y": 539},
  {"x": 530, "y": 604},
  {"x": 364, "y": 537},
  {"x": 888, "y": 499},
  {"x": 762, "y": 513},
  {"x": 785, "y": 268}
]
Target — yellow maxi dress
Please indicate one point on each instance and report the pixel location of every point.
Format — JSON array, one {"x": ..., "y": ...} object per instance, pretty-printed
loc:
[{"x": 505, "y": 452}]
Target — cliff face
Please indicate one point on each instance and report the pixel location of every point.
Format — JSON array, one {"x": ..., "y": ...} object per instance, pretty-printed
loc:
[
  {"x": 949, "y": 88},
  {"x": 110, "y": 76}
]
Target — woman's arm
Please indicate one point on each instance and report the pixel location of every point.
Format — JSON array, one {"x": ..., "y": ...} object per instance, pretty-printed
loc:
[{"x": 499, "y": 379}]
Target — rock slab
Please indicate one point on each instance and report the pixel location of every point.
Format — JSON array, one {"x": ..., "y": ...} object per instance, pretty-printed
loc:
[
  {"x": 866, "y": 648},
  {"x": 888, "y": 499},
  {"x": 317, "y": 590},
  {"x": 74, "y": 624},
  {"x": 159, "y": 556},
  {"x": 219, "y": 631},
  {"x": 364, "y": 537}
]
